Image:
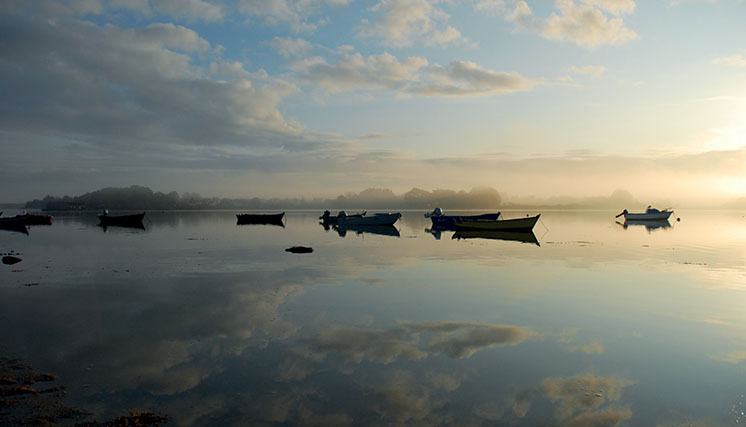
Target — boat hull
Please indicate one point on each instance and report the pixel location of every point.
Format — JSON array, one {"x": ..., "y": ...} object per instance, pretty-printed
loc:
[
  {"x": 272, "y": 219},
  {"x": 27, "y": 219},
  {"x": 516, "y": 224},
  {"x": 377, "y": 219},
  {"x": 655, "y": 216},
  {"x": 449, "y": 221},
  {"x": 122, "y": 220}
]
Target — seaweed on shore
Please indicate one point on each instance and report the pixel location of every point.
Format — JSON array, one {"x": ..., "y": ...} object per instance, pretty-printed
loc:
[{"x": 24, "y": 403}]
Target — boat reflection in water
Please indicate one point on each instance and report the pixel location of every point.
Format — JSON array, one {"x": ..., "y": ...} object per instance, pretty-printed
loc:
[
  {"x": 134, "y": 226},
  {"x": 18, "y": 228},
  {"x": 516, "y": 236},
  {"x": 383, "y": 230},
  {"x": 650, "y": 225},
  {"x": 261, "y": 219}
]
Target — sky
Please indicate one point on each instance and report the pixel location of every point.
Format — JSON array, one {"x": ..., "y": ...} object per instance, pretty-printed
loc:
[{"x": 314, "y": 98}]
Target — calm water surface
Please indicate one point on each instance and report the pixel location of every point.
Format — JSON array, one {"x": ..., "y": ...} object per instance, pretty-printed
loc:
[{"x": 215, "y": 324}]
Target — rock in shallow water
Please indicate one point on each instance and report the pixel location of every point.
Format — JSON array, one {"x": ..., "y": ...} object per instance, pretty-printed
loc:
[
  {"x": 299, "y": 250},
  {"x": 10, "y": 260}
]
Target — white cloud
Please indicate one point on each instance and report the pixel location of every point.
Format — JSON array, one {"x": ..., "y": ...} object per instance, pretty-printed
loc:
[
  {"x": 583, "y": 22},
  {"x": 594, "y": 71},
  {"x": 401, "y": 22},
  {"x": 466, "y": 78},
  {"x": 235, "y": 70},
  {"x": 113, "y": 86},
  {"x": 410, "y": 76},
  {"x": 585, "y": 25},
  {"x": 617, "y": 7},
  {"x": 141, "y": 6},
  {"x": 737, "y": 60},
  {"x": 355, "y": 71},
  {"x": 287, "y": 46},
  {"x": 295, "y": 13},
  {"x": 83, "y": 7},
  {"x": 191, "y": 10}
]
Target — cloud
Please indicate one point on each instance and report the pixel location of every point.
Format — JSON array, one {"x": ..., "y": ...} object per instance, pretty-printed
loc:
[
  {"x": 734, "y": 357},
  {"x": 113, "y": 86},
  {"x": 608, "y": 417},
  {"x": 583, "y": 22},
  {"x": 141, "y": 6},
  {"x": 287, "y": 46},
  {"x": 466, "y": 78},
  {"x": 582, "y": 393},
  {"x": 354, "y": 71},
  {"x": 593, "y": 347},
  {"x": 585, "y": 25},
  {"x": 617, "y": 7},
  {"x": 460, "y": 340},
  {"x": 402, "y": 22},
  {"x": 191, "y": 10},
  {"x": 737, "y": 60},
  {"x": 357, "y": 345},
  {"x": 405, "y": 398},
  {"x": 595, "y": 71},
  {"x": 409, "y": 76},
  {"x": 295, "y": 13},
  {"x": 457, "y": 340}
]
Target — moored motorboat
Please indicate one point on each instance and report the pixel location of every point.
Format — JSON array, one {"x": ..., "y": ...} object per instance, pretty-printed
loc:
[
  {"x": 27, "y": 219},
  {"x": 376, "y": 219},
  {"x": 134, "y": 220},
  {"x": 447, "y": 222},
  {"x": 650, "y": 214},
  {"x": 271, "y": 219},
  {"x": 328, "y": 218},
  {"x": 36, "y": 219},
  {"x": 514, "y": 224}
]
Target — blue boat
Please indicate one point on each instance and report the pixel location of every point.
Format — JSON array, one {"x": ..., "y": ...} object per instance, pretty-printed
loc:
[{"x": 448, "y": 222}]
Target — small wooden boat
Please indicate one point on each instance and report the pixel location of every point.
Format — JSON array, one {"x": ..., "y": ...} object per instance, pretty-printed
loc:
[
  {"x": 446, "y": 222},
  {"x": 12, "y": 221},
  {"x": 271, "y": 219},
  {"x": 122, "y": 220},
  {"x": 376, "y": 219},
  {"x": 515, "y": 224},
  {"x": 27, "y": 219},
  {"x": 650, "y": 214},
  {"x": 35, "y": 219},
  {"x": 516, "y": 236},
  {"x": 329, "y": 219}
]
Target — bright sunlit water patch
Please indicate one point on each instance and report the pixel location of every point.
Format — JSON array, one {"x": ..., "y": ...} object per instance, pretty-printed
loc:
[{"x": 587, "y": 322}]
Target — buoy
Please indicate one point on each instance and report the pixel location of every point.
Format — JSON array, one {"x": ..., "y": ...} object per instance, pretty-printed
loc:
[{"x": 678, "y": 219}]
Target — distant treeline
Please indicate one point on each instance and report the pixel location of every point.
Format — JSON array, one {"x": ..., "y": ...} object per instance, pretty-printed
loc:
[{"x": 138, "y": 197}]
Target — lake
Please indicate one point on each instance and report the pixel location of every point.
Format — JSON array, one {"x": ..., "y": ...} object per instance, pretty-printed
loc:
[{"x": 212, "y": 323}]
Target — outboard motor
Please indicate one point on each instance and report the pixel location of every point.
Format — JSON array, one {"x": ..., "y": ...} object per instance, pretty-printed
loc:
[{"x": 435, "y": 212}]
